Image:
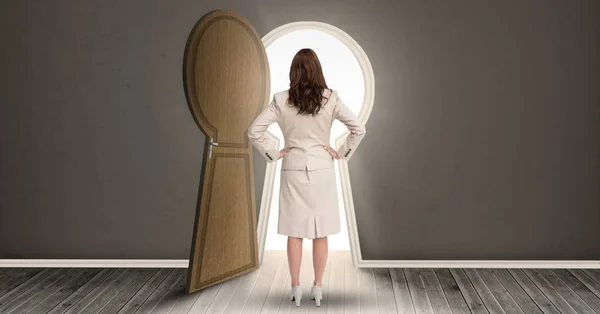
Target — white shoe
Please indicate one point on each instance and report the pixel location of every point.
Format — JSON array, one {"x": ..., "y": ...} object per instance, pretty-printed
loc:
[
  {"x": 316, "y": 294},
  {"x": 297, "y": 294}
]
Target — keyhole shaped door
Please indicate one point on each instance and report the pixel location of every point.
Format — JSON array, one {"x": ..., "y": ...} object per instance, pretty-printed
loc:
[{"x": 226, "y": 80}]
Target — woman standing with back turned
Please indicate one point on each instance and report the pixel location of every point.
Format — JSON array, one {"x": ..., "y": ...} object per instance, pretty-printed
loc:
[{"x": 308, "y": 201}]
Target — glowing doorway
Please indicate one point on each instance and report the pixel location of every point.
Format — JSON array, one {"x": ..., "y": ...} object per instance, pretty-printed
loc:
[{"x": 347, "y": 70}]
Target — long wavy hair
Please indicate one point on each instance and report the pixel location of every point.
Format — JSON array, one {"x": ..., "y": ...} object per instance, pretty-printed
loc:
[{"x": 307, "y": 83}]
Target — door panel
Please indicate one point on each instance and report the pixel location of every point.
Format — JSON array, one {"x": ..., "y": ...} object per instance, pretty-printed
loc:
[{"x": 226, "y": 80}]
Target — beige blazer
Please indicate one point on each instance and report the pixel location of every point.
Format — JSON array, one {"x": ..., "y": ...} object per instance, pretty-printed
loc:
[{"x": 306, "y": 134}]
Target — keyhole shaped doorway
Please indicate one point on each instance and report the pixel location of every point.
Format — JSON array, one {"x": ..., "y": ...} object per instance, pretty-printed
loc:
[{"x": 348, "y": 70}]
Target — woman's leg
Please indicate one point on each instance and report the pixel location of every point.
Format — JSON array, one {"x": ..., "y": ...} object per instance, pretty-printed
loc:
[
  {"x": 294, "y": 253},
  {"x": 320, "y": 250}
]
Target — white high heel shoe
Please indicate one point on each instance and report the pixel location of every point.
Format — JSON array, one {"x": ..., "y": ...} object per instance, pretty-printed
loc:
[
  {"x": 316, "y": 294},
  {"x": 297, "y": 294}
]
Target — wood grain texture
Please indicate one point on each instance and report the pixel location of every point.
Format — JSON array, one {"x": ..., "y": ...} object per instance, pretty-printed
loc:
[
  {"x": 565, "y": 291},
  {"x": 22, "y": 283},
  {"x": 457, "y": 302},
  {"x": 165, "y": 284},
  {"x": 504, "y": 298},
  {"x": 586, "y": 294},
  {"x": 47, "y": 291},
  {"x": 526, "y": 303},
  {"x": 586, "y": 280},
  {"x": 226, "y": 80},
  {"x": 417, "y": 290},
  {"x": 367, "y": 289},
  {"x": 335, "y": 301},
  {"x": 114, "y": 289},
  {"x": 82, "y": 291},
  {"x": 351, "y": 286},
  {"x": 96, "y": 292},
  {"x": 124, "y": 297},
  {"x": 402, "y": 292},
  {"x": 172, "y": 297},
  {"x": 538, "y": 296},
  {"x": 346, "y": 289},
  {"x": 548, "y": 290},
  {"x": 32, "y": 291},
  {"x": 386, "y": 303},
  {"x": 258, "y": 296},
  {"x": 279, "y": 286},
  {"x": 468, "y": 290},
  {"x": 17, "y": 276},
  {"x": 69, "y": 289},
  {"x": 435, "y": 292},
  {"x": 488, "y": 298}
]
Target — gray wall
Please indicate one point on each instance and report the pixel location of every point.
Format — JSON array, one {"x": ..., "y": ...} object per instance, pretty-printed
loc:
[{"x": 484, "y": 141}]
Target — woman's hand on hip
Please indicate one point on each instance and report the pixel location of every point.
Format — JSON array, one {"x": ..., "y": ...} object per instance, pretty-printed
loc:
[
  {"x": 332, "y": 152},
  {"x": 283, "y": 152}
]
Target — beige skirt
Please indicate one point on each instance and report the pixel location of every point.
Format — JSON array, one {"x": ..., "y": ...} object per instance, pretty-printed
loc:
[{"x": 308, "y": 204}]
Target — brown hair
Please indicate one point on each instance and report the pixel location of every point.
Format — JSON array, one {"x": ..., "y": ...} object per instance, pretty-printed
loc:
[{"x": 307, "y": 82}]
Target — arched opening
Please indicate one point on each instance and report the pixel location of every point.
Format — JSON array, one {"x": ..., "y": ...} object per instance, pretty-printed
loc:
[{"x": 347, "y": 70}]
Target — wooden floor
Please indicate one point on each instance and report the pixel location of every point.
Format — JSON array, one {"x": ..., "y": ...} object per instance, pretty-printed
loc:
[{"x": 346, "y": 289}]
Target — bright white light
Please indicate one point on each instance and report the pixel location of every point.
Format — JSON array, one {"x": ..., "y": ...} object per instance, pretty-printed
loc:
[{"x": 343, "y": 74}]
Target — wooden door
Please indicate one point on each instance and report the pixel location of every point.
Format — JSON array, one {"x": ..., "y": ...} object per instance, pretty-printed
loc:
[{"x": 226, "y": 80}]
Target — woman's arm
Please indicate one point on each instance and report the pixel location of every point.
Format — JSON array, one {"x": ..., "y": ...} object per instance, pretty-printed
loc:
[
  {"x": 357, "y": 129},
  {"x": 258, "y": 128}
]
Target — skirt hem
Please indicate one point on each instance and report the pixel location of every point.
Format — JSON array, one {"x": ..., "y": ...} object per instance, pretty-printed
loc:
[{"x": 307, "y": 237}]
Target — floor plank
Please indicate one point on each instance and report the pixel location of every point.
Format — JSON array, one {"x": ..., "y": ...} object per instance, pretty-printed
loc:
[
  {"x": 173, "y": 296},
  {"x": 82, "y": 291},
  {"x": 278, "y": 286},
  {"x": 306, "y": 280},
  {"x": 222, "y": 298},
  {"x": 548, "y": 290},
  {"x": 240, "y": 295},
  {"x": 48, "y": 290},
  {"x": 202, "y": 297},
  {"x": 541, "y": 300},
  {"x": 165, "y": 285},
  {"x": 456, "y": 300},
  {"x": 525, "y": 302},
  {"x": 19, "y": 281},
  {"x": 131, "y": 289},
  {"x": 368, "y": 290},
  {"x": 29, "y": 288},
  {"x": 114, "y": 289},
  {"x": 436, "y": 295},
  {"x": 402, "y": 294},
  {"x": 504, "y": 298},
  {"x": 346, "y": 289},
  {"x": 325, "y": 289},
  {"x": 351, "y": 286},
  {"x": 12, "y": 277},
  {"x": 257, "y": 298},
  {"x": 386, "y": 303},
  {"x": 488, "y": 298},
  {"x": 468, "y": 290},
  {"x": 578, "y": 287},
  {"x": 285, "y": 305},
  {"x": 65, "y": 292},
  {"x": 147, "y": 285},
  {"x": 90, "y": 296},
  {"x": 418, "y": 293},
  {"x": 335, "y": 297},
  {"x": 566, "y": 292},
  {"x": 3, "y": 272},
  {"x": 594, "y": 274},
  {"x": 586, "y": 280}
]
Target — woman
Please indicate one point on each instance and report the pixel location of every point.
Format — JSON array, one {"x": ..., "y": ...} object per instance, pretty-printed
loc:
[{"x": 308, "y": 201}]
